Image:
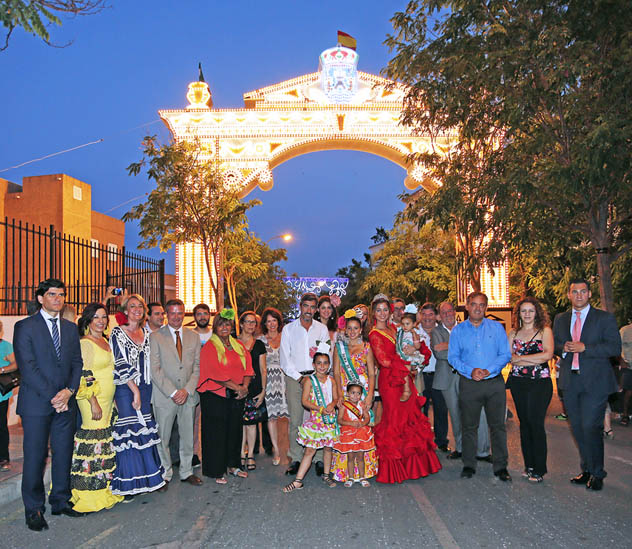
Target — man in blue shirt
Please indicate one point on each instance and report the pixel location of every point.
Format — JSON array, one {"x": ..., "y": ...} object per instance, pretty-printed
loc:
[{"x": 479, "y": 350}]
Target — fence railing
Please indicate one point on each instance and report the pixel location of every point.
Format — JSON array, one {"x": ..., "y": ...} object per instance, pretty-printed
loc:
[{"x": 30, "y": 253}]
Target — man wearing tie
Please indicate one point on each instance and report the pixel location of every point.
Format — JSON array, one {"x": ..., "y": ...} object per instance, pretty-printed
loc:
[
  {"x": 585, "y": 339},
  {"x": 175, "y": 371},
  {"x": 48, "y": 356}
]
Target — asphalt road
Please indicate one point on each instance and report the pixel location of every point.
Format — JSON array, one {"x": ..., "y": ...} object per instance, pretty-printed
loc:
[{"x": 439, "y": 511}]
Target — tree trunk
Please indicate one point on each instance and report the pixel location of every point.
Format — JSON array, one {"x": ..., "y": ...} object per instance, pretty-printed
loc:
[{"x": 605, "y": 281}]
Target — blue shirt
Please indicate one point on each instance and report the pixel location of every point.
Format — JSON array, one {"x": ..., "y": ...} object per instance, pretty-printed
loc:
[
  {"x": 5, "y": 349},
  {"x": 485, "y": 347}
]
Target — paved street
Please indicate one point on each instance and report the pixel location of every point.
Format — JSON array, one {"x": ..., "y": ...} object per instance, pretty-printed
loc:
[{"x": 440, "y": 511}]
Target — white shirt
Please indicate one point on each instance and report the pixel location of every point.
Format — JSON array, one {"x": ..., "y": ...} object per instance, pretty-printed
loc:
[
  {"x": 296, "y": 346},
  {"x": 173, "y": 333},
  {"x": 583, "y": 315},
  {"x": 204, "y": 337},
  {"x": 425, "y": 337},
  {"x": 49, "y": 324}
]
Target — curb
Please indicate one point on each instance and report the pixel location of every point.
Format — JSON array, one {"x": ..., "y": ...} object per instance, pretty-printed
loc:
[{"x": 11, "y": 488}]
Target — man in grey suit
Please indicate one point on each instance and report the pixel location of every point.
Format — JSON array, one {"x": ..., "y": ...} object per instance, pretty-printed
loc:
[
  {"x": 446, "y": 379},
  {"x": 586, "y": 339},
  {"x": 175, "y": 371}
]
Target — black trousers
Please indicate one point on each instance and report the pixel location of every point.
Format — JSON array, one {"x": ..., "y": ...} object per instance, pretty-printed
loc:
[
  {"x": 532, "y": 398},
  {"x": 473, "y": 396},
  {"x": 586, "y": 410},
  {"x": 221, "y": 433},
  {"x": 37, "y": 430},
  {"x": 4, "y": 431},
  {"x": 439, "y": 410}
]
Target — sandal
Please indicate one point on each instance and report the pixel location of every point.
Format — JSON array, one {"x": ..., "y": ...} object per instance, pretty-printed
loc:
[
  {"x": 237, "y": 472},
  {"x": 608, "y": 434},
  {"x": 625, "y": 420},
  {"x": 221, "y": 480},
  {"x": 251, "y": 466},
  {"x": 296, "y": 484},
  {"x": 243, "y": 462},
  {"x": 364, "y": 483},
  {"x": 348, "y": 484},
  {"x": 276, "y": 461},
  {"x": 328, "y": 480}
]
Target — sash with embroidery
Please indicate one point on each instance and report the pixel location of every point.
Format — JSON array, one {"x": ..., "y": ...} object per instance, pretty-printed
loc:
[
  {"x": 351, "y": 372},
  {"x": 320, "y": 401},
  {"x": 353, "y": 409}
]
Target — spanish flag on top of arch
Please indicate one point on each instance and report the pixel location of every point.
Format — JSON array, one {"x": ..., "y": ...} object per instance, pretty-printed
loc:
[{"x": 347, "y": 40}]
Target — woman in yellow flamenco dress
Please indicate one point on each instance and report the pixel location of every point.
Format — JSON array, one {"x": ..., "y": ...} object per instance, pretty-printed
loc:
[{"x": 93, "y": 458}]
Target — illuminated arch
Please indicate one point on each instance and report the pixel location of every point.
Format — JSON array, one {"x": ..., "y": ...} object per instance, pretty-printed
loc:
[{"x": 336, "y": 108}]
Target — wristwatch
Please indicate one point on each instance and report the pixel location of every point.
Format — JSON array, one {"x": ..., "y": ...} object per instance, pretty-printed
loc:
[{"x": 72, "y": 391}]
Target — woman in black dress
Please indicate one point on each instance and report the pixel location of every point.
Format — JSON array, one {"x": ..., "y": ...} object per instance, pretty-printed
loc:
[{"x": 254, "y": 407}]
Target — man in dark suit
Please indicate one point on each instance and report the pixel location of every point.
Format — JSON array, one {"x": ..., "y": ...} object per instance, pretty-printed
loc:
[
  {"x": 585, "y": 339},
  {"x": 48, "y": 356}
]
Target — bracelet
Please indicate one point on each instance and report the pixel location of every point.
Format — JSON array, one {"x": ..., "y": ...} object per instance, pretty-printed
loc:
[{"x": 321, "y": 409}]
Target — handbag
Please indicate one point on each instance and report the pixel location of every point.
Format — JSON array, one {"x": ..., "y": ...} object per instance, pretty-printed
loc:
[
  {"x": 9, "y": 381},
  {"x": 252, "y": 414}
]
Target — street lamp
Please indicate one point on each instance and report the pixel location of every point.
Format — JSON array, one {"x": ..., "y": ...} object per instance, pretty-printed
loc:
[{"x": 286, "y": 237}]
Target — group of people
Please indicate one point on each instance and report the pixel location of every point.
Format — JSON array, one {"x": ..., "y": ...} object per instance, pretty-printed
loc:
[{"x": 355, "y": 389}]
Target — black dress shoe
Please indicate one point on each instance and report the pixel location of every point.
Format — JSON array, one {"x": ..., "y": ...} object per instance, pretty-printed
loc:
[
  {"x": 36, "y": 522},
  {"x": 594, "y": 483},
  {"x": 467, "y": 472},
  {"x": 293, "y": 468},
  {"x": 454, "y": 455},
  {"x": 319, "y": 468},
  {"x": 69, "y": 512},
  {"x": 444, "y": 448},
  {"x": 488, "y": 459},
  {"x": 582, "y": 478},
  {"x": 503, "y": 475}
]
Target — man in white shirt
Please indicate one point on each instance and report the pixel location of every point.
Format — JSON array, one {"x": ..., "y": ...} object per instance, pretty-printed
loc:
[
  {"x": 202, "y": 317},
  {"x": 299, "y": 341},
  {"x": 428, "y": 321}
]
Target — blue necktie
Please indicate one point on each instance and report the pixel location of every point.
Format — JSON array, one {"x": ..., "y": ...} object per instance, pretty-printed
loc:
[{"x": 53, "y": 322}]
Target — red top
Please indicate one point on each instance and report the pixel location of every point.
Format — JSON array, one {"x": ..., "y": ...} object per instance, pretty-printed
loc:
[{"x": 212, "y": 370}]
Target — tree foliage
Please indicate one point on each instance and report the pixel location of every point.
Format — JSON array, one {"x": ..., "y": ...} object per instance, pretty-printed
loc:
[
  {"x": 35, "y": 15},
  {"x": 416, "y": 265},
  {"x": 356, "y": 272},
  {"x": 253, "y": 281},
  {"x": 539, "y": 91},
  {"x": 191, "y": 203}
]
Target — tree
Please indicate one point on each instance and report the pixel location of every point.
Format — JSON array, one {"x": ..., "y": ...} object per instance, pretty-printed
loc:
[
  {"x": 191, "y": 203},
  {"x": 252, "y": 278},
  {"x": 416, "y": 265},
  {"x": 548, "y": 84},
  {"x": 356, "y": 272},
  {"x": 34, "y": 16},
  {"x": 380, "y": 236}
]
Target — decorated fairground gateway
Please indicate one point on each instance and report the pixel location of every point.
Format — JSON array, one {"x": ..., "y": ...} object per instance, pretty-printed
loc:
[{"x": 336, "y": 108}]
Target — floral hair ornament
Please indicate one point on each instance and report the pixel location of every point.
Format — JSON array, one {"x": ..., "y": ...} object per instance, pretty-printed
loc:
[
  {"x": 342, "y": 322},
  {"x": 411, "y": 308},
  {"x": 379, "y": 297},
  {"x": 359, "y": 312},
  {"x": 228, "y": 314},
  {"x": 351, "y": 313}
]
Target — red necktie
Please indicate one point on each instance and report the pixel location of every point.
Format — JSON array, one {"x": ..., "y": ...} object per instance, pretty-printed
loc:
[
  {"x": 577, "y": 334},
  {"x": 179, "y": 345}
]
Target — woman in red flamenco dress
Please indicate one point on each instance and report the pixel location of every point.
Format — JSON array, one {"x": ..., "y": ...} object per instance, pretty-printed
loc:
[{"x": 404, "y": 439}]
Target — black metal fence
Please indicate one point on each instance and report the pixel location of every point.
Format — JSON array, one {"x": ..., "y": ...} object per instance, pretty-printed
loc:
[{"x": 29, "y": 254}]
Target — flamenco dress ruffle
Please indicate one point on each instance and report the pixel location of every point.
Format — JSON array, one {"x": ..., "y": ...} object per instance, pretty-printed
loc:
[{"x": 404, "y": 438}]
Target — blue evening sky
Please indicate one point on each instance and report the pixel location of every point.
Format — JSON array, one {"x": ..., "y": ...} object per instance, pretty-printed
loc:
[{"x": 137, "y": 57}]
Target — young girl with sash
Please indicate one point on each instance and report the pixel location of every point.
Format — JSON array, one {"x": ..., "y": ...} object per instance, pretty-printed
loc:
[
  {"x": 356, "y": 437},
  {"x": 353, "y": 361},
  {"x": 320, "y": 430}
]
